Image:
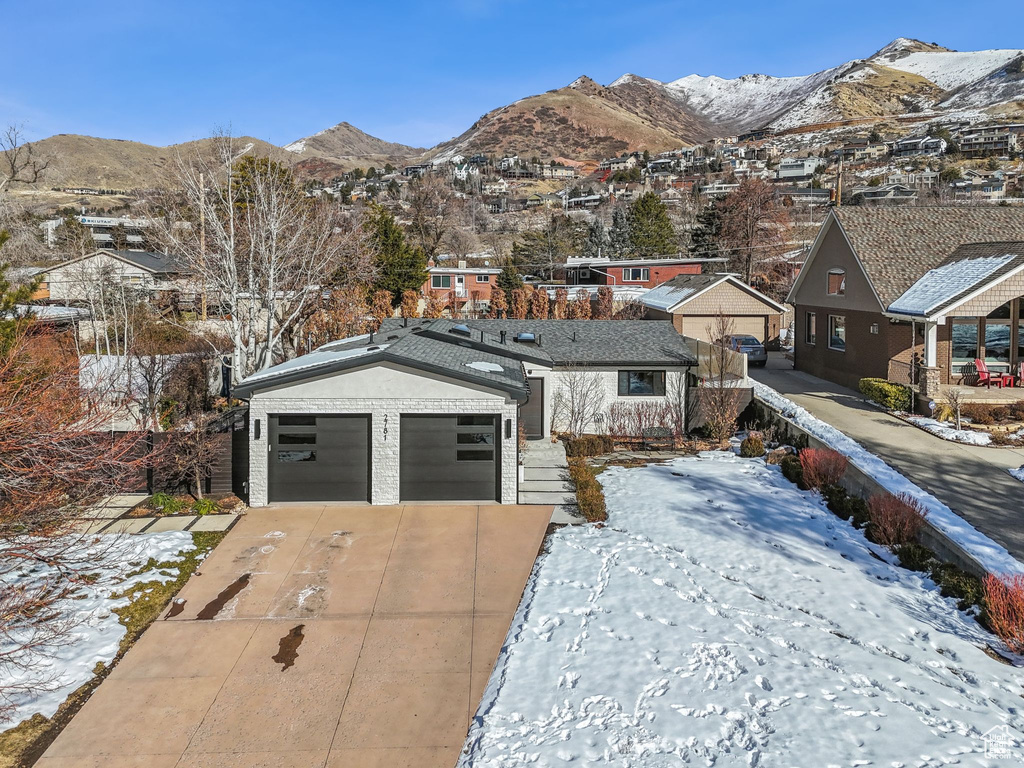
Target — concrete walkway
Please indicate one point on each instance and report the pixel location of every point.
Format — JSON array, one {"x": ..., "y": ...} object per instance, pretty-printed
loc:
[
  {"x": 546, "y": 480},
  {"x": 219, "y": 522},
  {"x": 971, "y": 480},
  {"x": 319, "y": 636}
]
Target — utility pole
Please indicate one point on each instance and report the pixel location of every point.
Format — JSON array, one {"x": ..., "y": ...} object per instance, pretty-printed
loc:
[{"x": 839, "y": 182}]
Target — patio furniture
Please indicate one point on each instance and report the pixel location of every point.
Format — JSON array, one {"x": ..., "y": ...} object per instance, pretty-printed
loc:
[
  {"x": 988, "y": 378},
  {"x": 656, "y": 437}
]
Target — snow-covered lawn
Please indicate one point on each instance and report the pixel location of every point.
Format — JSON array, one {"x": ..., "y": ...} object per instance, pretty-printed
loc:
[
  {"x": 949, "y": 432},
  {"x": 97, "y": 631},
  {"x": 723, "y": 617}
]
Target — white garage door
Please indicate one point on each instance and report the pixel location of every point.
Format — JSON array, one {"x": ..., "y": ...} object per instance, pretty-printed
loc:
[{"x": 697, "y": 326}]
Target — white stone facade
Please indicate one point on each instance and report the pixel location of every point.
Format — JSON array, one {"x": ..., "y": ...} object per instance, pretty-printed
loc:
[{"x": 385, "y": 392}]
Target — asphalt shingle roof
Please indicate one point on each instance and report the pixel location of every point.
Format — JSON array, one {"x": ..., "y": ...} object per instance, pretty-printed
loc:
[
  {"x": 158, "y": 262},
  {"x": 594, "y": 342},
  {"x": 898, "y": 244},
  {"x": 969, "y": 268}
]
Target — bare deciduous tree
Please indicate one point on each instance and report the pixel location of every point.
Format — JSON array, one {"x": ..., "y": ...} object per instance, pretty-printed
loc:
[
  {"x": 20, "y": 162},
  {"x": 434, "y": 210},
  {"x": 720, "y": 394},
  {"x": 56, "y": 461},
  {"x": 754, "y": 222},
  {"x": 955, "y": 399},
  {"x": 266, "y": 253},
  {"x": 578, "y": 400}
]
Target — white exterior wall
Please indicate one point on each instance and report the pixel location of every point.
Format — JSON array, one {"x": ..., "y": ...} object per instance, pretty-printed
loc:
[
  {"x": 385, "y": 392},
  {"x": 554, "y": 380},
  {"x": 78, "y": 281}
]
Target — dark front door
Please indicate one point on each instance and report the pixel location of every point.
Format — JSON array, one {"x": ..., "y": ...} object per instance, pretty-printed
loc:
[
  {"x": 531, "y": 413},
  {"x": 314, "y": 457},
  {"x": 449, "y": 458}
]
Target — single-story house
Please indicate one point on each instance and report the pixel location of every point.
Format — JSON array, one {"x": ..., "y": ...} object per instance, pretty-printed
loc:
[
  {"x": 430, "y": 409},
  {"x": 76, "y": 279},
  {"x": 910, "y": 294},
  {"x": 640, "y": 272},
  {"x": 692, "y": 302}
]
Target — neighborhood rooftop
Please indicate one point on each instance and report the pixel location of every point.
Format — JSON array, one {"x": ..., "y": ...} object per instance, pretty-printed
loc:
[
  {"x": 898, "y": 244},
  {"x": 969, "y": 268}
]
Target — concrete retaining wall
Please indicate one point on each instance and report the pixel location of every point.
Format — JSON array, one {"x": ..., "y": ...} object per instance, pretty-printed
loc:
[{"x": 859, "y": 483}]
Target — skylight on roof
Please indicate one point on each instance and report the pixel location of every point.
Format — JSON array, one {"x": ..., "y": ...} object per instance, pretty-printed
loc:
[
  {"x": 525, "y": 337},
  {"x": 461, "y": 330}
]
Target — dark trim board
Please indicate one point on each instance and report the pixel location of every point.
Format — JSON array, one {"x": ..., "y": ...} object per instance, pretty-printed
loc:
[{"x": 540, "y": 394}]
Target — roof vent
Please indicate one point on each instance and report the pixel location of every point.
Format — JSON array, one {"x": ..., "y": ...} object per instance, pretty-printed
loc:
[
  {"x": 526, "y": 338},
  {"x": 372, "y": 349},
  {"x": 461, "y": 330}
]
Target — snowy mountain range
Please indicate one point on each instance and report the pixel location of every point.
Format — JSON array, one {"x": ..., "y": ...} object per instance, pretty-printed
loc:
[
  {"x": 900, "y": 88},
  {"x": 905, "y": 78}
]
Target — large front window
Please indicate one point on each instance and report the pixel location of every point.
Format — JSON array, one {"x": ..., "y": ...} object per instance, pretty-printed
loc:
[
  {"x": 837, "y": 332},
  {"x": 440, "y": 281},
  {"x": 636, "y": 274},
  {"x": 633, "y": 383}
]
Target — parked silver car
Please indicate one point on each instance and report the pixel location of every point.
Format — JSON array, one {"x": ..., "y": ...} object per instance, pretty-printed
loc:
[{"x": 751, "y": 347}]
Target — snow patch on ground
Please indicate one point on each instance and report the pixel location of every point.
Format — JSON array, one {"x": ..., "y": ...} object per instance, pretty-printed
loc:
[
  {"x": 946, "y": 432},
  {"x": 993, "y": 557},
  {"x": 723, "y": 617},
  {"x": 97, "y": 632},
  {"x": 1018, "y": 474}
]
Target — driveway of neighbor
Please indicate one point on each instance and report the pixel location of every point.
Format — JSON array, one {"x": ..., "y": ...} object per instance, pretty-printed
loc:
[
  {"x": 971, "y": 480},
  {"x": 323, "y": 636}
]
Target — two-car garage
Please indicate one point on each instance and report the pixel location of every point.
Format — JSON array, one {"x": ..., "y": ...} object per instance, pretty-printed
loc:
[{"x": 329, "y": 457}]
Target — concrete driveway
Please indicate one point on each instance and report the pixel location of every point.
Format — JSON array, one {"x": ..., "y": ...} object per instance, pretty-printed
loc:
[{"x": 319, "y": 636}]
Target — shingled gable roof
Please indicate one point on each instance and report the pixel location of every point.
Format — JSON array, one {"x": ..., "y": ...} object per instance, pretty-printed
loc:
[{"x": 897, "y": 245}]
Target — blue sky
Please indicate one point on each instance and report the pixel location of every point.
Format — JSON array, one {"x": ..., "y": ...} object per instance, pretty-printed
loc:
[{"x": 415, "y": 72}]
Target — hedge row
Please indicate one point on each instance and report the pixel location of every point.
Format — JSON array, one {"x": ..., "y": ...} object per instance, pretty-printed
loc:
[
  {"x": 589, "y": 494},
  {"x": 895, "y": 397}
]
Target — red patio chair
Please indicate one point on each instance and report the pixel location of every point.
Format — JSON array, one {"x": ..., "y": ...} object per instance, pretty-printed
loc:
[{"x": 987, "y": 378}]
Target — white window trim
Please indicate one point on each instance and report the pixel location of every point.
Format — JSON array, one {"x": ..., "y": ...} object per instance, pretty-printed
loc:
[
  {"x": 483, "y": 278},
  {"x": 440, "y": 279},
  {"x": 842, "y": 285},
  {"x": 645, "y": 274}
]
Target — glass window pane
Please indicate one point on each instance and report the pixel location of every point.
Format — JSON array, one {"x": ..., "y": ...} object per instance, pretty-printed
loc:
[
  {"x": 297, "y": 421},
  {"x": 997, "y": 342},
  {"x": 837, "y": 332},
  {"x": 965, "y": 339},
  {"x": 307, "y": 439},
  {"x": 475, "y": 420},
  {"x": 295, "y": 456},
  {"x": 475, "y": 438},
  {"x": 466, "y": 455},
  {"x": 641, "y": 383}
]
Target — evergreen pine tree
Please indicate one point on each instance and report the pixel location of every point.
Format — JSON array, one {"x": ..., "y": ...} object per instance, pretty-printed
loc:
[
  {"x": 596, "y": 244},
  {"x": 618, "y": 235},
  {"x": 705, "y": 235},
  {"x": 399, "y": 266},
  {"x": 509, "y": 280},
  {"x": 650, "y": 230}
]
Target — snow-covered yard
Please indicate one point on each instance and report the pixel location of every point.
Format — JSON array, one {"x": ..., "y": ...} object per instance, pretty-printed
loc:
[
  {"x": 723, "y": 617},
  {"x": 97, "y": 631}
]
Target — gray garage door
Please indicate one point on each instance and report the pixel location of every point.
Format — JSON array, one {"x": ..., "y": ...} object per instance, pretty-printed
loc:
[
  {"x": 449, "y": 458},
  {"x": 319, "y": 458}
]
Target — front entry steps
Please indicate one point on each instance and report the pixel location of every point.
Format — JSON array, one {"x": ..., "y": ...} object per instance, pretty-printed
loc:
[{"x": 546, "y": 481}]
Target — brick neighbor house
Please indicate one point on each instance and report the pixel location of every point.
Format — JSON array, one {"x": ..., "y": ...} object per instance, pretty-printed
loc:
[
  {"x": 911, "y": 294},
  {"x": 643, "y": 273}
]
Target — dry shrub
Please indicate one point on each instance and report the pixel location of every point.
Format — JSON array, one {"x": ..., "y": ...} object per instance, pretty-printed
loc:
[
  {"x": 822, "y": 466},
  {"x": 978, "y": 413},
  {"x": 1004, "y": 608},
  {"x": 589, "y": 494},
  {"x": 629, "y": 420},
  {"x": 895, "y": 520}
]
